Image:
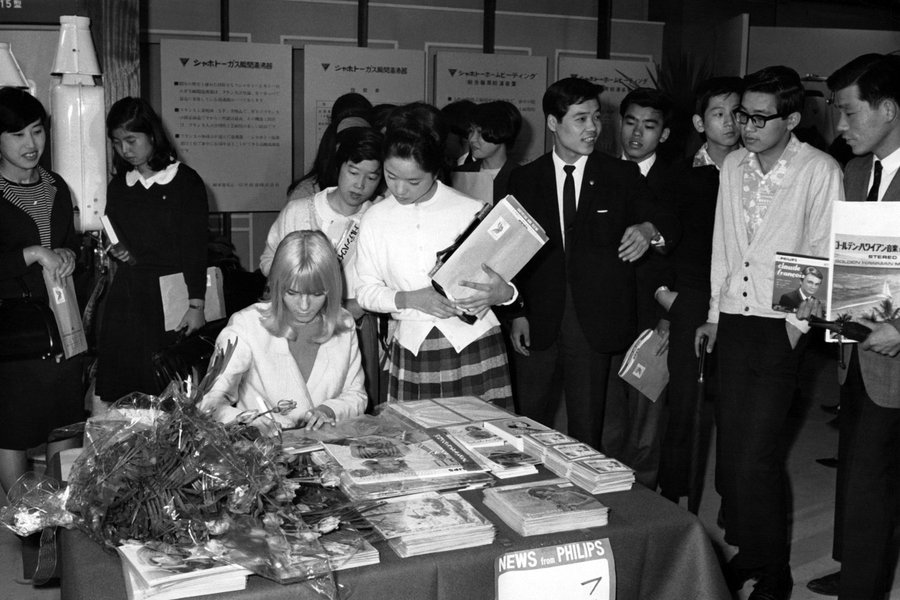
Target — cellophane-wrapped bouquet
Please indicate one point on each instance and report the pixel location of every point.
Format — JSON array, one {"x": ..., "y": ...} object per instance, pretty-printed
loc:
[{"x": 155, "y": 469}]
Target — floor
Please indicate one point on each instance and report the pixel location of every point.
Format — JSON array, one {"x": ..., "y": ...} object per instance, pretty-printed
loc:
[{"x": 812, "y": 486}]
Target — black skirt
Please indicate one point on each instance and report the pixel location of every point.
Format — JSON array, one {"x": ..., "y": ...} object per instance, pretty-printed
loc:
[{"x": 36, "y": 397}]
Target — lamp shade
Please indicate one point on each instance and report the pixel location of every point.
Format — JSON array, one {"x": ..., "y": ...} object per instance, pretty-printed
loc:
[
  {"x": 75, "y": 50},
  {"x": 11, "y": 74}
]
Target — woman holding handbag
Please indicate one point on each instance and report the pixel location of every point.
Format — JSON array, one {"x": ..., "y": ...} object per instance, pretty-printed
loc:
[
  {"x": 157, "y": 206},
  {"x": 37, "y": 235}
]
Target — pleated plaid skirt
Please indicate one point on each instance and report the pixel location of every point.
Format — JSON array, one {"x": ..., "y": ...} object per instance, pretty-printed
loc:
[{"x": 439, "y": 371}]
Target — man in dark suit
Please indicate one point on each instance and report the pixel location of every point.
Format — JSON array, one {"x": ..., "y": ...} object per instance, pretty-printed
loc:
[
  {"x": 867, "y": 94},
  {"x": 579, "y": 290},
  {"x": 809, "y": 285},
  {"x": 632, "y": 425}
]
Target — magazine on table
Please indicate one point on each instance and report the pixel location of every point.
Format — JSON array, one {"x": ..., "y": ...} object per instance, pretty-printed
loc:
[
  {"x": 378, "y": 458},
  {"x": 505, "y": 461},
  {"x": 442, "y": 412},
  {"x": 175, "y": 571},
  {"x": 513, "y": 429},
  {"x": 865, "y": 255},
  {"x": 545, "y": 506},
  {"x": 473, "y": 435}
]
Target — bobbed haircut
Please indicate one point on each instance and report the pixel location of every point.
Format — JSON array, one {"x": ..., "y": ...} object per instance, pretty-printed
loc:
[
  {"x": 500, "y": 122},
  {"x": 358, "y": 144},
  {"x": 566, "y": 92},
  {"x": 350, "y": 104},
  {"x": 876, "y": 75},
  {"x": 137, "y": 116},
  {"x": 649, "y": 98},
  {"x": 417, "y": 141},
  {"x": 19, "y": 109},
  {"x": 811, "y": 270},
  {"x": 783, "y": 83},
  {"x": 458, "y": 116},
  {"x": 306, "y": 262},
  {"x": 715, "y": 86}
]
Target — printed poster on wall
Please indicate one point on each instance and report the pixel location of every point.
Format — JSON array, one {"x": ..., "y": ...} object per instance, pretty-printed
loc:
[
  {"x": 227, "y": 106},
  {"x": 615, "y": 77},
  {"x": 382, "y": 76},
  {"x": 583, "y": 570},
  {"x": 520, "y": 80}
]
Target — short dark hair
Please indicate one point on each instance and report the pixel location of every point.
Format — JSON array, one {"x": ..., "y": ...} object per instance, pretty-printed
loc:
[
  {"x": 566, "y": 92},
  {"x": 783, "y": 83},
  {"x": 715, "y": 86},
  {"x": 356, "y": 145},
  {"x": 649, "y": 98},
  {"x": 877, "y": 76},
  {"x": 415, "y": 140},
  {"x": 350, "y": 104},
  {"x": 19, "y": 109},
  {"x": 137, "y": 116},
  {"x": 500, "y": 122},
  {"x": 458, "y": 116}
]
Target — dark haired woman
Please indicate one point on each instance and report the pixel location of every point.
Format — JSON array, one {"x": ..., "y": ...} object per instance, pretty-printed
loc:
[
  {"x": 158, "y": 207},
  {"x": 492, "y": 134},
  {"x": 37, "y": 236},
  {"x": 433, "y": 352}
]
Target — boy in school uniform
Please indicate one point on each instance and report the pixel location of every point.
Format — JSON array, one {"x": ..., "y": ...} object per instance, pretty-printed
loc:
[
  {"x": 775, "y": 195},
  {"x": 685, "y": 296}
]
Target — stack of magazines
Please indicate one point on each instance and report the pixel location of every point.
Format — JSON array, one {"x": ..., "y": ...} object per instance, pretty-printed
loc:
[
  {"x": 546, "y": 506},
  {"x": 559, "y": 458},
  {"x": 505, "y": 461},
  {"x": 536, "y": 444},
  {"x": 159, "y": 575},
  {"x": 430, "y": 522},
  {"x": 348, "y": 550},
  {"x": 514, "y": 429},
  {"x": 601, "y": 475}
]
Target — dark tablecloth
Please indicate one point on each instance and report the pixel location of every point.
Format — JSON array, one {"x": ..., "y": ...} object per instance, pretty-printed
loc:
[{"x": 661, "y": 553}]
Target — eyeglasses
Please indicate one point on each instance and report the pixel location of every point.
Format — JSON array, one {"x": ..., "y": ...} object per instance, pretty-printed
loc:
[{"x": 759, "y": 121}]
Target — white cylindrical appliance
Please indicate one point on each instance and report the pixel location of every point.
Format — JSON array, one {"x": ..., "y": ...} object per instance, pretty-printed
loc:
[{"x": 78, "y": 129}]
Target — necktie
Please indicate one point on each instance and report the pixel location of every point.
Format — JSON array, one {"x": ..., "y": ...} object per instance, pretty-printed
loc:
[
  {"x": 876, "y": 183},
  {"x": 568, "y": 201}
]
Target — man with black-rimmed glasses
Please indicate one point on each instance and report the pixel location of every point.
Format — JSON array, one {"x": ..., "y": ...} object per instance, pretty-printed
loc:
[{"x": 775, "y": 195}]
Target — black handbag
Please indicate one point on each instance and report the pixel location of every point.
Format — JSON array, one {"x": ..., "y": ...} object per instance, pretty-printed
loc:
[{"x": 27, "y": 328}]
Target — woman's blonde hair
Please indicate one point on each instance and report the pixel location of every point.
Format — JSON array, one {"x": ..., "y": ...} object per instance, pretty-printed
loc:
[{"x": 306, "y": 262}]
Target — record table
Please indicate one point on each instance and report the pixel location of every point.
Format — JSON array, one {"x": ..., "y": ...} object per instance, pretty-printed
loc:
[{"x": 660, "y": 550}]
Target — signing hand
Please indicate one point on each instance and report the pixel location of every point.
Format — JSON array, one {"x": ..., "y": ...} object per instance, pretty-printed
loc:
[
  {"x": 635, "y": 241},
  {"x": 119, "y": 252},
  {"x": 495, "y": 291},
  {"x": 709, "y": 330},
  {"x": 320, "y": 415},
  {"x": 884, "y": 339},
  {"x": 520, "y": 335},
  {"x": 428, "y": 301}
]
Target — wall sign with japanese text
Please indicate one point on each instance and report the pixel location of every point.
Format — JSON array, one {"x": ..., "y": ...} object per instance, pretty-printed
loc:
[
  {"x": 35, "y": 11},
  {"x": 227, "y": 106},
  {"x": 614, "y": 76},
  {"x": 583, "y": 570},
  {"x": 518, "y": 79},
  {"x": 382, "y": 76}
]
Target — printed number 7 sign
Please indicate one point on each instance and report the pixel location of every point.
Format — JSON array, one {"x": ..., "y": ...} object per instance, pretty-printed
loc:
[{"x": 575, "y": 571}]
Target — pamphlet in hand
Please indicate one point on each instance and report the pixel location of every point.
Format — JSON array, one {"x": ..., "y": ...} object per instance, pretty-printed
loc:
[
  {"x": 644, "y": 368},
  {"x": 505, "y": 240},
  {"x": 798, "y": 277},
  {"x": 174, "y": 292}
]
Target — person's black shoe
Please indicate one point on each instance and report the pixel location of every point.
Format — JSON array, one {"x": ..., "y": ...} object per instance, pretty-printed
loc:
[
  {"x": 775, "y": 585},
  {"x": 831, "y": 462},
  {"x": 827, "y": 585},
  {"x": 831, "y": 409}
]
